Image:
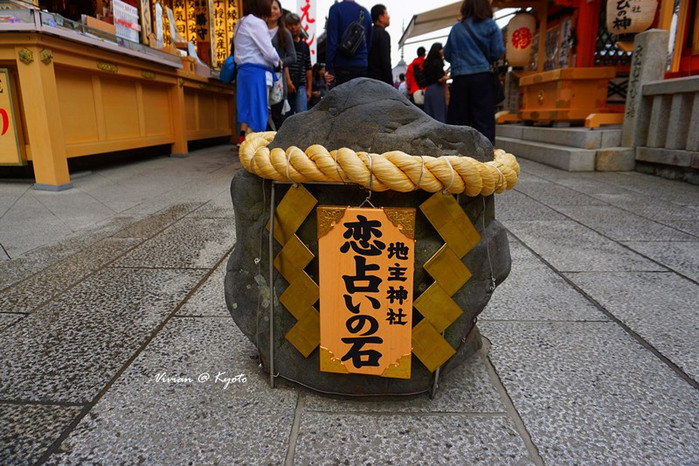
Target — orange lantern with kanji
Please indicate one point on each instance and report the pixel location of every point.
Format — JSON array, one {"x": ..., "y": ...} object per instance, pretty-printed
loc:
[
  {"x": 520, "y": 35},
  {"x": 627, "y": 16}
]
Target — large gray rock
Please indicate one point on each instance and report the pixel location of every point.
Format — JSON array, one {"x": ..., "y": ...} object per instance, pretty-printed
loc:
[
  {"x": 369, "y": 115},
  {"x": 247, "y": 279}
]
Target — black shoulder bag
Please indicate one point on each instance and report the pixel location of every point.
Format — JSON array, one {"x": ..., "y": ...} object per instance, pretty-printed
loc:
[
  {"x": 353, "y": 37},
  {"x": 498, "y": 91}
]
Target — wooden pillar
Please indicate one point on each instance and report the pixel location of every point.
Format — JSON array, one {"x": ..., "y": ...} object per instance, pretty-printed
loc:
[
  {"x": 37, "y": 84},
  {"x": 179, "y": 120},
  {"x": 587, "y": 26},
  {"x": 543, "y": 11}
]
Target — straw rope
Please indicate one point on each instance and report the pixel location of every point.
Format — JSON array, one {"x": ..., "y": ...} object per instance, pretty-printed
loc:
[{"x": 393, "y": 170}]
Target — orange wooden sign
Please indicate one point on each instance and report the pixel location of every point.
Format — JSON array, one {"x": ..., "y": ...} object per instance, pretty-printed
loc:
[{"x": 366, "y": 259}]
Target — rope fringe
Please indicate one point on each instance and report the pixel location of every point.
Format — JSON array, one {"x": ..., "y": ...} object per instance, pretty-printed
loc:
[{"x": 394, "y": 170}]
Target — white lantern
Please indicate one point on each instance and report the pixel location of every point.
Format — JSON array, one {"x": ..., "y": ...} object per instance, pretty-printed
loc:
[
  {"x": 627, "y": 16},
  {"x": 520, "y": 35}
]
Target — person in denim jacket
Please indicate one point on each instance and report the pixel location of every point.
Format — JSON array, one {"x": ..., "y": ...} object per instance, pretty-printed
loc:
[{"x": 472, "y": 101}]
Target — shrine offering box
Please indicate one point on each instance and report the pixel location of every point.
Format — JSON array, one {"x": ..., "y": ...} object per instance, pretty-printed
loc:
[{"x": 565, "y": 94}]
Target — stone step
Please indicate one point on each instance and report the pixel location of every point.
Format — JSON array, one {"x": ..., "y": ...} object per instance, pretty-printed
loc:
[
  {"x": 566, "y": 158},
  {"x": 584, "y": 138},
  {"x": 615, "y": 159}
]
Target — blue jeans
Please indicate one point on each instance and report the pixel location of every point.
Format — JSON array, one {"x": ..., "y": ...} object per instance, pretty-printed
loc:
[{"x": 298, "y": 102}]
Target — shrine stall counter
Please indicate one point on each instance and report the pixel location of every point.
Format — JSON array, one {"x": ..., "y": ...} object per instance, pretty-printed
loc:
[{"x": 71, "y": 94}]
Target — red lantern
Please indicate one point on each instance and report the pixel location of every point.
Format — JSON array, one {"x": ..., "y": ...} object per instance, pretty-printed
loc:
[{"x": 520, "y": 35}]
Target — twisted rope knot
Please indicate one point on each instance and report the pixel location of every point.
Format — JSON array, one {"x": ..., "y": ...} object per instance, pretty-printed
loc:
[{"x": 394, "y": 170}]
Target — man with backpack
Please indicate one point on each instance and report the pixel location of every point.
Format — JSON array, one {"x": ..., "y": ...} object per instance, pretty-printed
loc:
[{"x": 348, "y": 36}]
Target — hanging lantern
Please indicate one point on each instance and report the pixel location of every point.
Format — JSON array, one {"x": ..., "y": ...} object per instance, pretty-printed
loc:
[
  {"x": 627, "y": 16},
  {"x": 520, "y": 35}
]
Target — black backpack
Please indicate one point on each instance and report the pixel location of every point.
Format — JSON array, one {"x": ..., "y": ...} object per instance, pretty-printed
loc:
[
  {"x": 353, "y": 37},
  {"x": 419, "y": 78}
]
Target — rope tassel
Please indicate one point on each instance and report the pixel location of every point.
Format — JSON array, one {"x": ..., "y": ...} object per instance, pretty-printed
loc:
[{"x": 394, "y": 170}]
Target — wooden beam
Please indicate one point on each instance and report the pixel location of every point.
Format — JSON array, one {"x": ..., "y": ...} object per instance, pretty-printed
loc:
[
  {"x": 542, "y": 10},
  {"x": 679, "y": 35},
  {"x": 665, "y": 15},
  {"x": 587, "y": 26}
]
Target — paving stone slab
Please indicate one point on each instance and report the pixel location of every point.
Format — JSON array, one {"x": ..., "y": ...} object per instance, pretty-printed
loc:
[
  {"x": 33, "y": 261},
  {"x": 157, "y": 222},
  {"x": 9, "y": 319},
  {"x": 649, "y": 207},
  {"x": 464, "y": 389},
  {"x": 181, "y": 422},
  {"x": 330, "y": 438},
  {"x": 10, "y": 192},
  {"x": 673, "y": 191},
  {"x": 33, "y": 291},
  {"x": 569, "y": 246},
  {"x": 513, "y": 205},
  {"x": 660, "y": 307},
  {"x": 688, "y": 226},
  {"x": 622, "y": 225},
  {"x": 130, "y": 185},
  {"x": 75, "y": 207},
  {"x": 38, "y": 226},
  {"x": 26, "y": 431},
  {"x": 682, "y": 257},
  {"x": 533, "y": 291},
  {"x": 219, "y": 206},
  {"x": 552, "y": 194},
  {"x": 190, "y": 243},
  {"x": 590, "y": 394},
  {"x": 70, "y": 349},
  {"x": 210, "y": 299}
]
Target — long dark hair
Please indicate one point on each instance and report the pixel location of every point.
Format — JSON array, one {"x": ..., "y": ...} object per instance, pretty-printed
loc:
[
  {"x": 282, "y": 38},
  {"x": 476, "y": 9},
  {"x": 316, "y": 70},
  {"x": 434, "y": 60},
  {"x": 259, "y": 8}
]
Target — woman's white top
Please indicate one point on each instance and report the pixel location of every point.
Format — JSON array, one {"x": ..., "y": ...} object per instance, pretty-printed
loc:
[{"x": 252, "y": 43}]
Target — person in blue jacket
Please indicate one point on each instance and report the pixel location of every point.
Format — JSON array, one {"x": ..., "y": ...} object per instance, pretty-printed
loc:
[
  {"x": 473, "y": 44},
  {"x": 341, "y": 68}
]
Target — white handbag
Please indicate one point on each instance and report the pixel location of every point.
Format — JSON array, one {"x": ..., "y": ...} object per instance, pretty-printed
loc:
[
  {"x": 419, "y": 97},
  {"x": 276, "y": 92}
]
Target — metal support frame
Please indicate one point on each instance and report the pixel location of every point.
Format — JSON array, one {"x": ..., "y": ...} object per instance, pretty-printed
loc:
[{"x": 271, "y": 288}]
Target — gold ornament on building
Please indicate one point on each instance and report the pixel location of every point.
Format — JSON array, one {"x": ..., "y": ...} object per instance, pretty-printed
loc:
[
  {"x": 26, "y": 56},
  {"x": 108, "y": 67},
  {"x": 45, "y": 56}
]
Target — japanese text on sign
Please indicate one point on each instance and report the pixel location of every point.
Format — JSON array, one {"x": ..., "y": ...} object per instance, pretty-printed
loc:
[
  {"x": 307, "y": 9},
  {"x": 366, "y": 278},
  {"x": 9, "y": 142}
]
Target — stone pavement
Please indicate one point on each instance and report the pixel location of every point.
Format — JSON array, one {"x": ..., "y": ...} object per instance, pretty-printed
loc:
[{"x": 114, "y": 330}]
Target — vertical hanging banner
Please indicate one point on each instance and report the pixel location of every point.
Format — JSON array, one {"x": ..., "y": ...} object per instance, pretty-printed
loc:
[
  {"x": 307, "y": 9},
  {"x": 10, "y": 153},
  {"x": 367, "y": 261}
]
